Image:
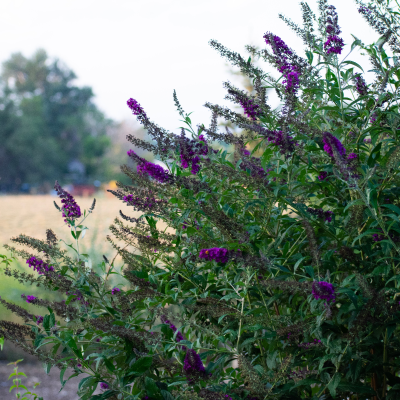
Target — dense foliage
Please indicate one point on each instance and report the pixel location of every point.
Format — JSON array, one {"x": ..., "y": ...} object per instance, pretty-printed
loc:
[
  {"x": 49, "y": 128},
  {"x": 271, "y": 272}
]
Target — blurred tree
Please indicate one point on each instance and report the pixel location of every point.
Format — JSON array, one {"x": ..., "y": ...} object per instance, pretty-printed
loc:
[{"x": 49, "y": 128}]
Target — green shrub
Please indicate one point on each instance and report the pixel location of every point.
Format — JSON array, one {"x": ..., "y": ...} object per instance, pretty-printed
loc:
[{"x": 271, "y": 272}]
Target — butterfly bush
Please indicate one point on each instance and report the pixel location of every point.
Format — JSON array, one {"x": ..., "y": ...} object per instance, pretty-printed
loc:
[{"x": 269, "y": 237}]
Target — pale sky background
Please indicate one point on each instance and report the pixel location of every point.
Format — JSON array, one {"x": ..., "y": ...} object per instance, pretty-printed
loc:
[{"x": 145, "y": 49}]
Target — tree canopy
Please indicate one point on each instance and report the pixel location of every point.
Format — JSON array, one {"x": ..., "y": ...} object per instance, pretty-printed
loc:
[{"x": 49, "y": 127}]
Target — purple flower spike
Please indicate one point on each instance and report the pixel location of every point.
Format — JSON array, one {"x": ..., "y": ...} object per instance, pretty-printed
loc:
[
  {"x": 361, "y": 86},
  {"x": 216, "y": 253},
  {"x": 155, "y": 171},
  {"x": 30, "y": 299},
  {"x": 115, "y": 290},
  {"x": 104, "y": 386},
  {"x": 324, "y": 291},
  {"x": 329, "y": 141},
  {"x": 334, "y": 44},
  {"x": 39, "y": 265},
  {"x": 39, "y": 319},
  {"x": 137, "y": 110},
  {"x": 70, "y": 208},
  {"x": 193, "y": 367},
  {"x": 322, "y": 176}
]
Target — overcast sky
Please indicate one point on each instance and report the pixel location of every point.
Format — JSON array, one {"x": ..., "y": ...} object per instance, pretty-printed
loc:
[{"x": 145, "y": 49}]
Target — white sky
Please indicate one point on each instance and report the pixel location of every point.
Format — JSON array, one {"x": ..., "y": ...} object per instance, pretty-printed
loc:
[{"x": 145, "y": 49}]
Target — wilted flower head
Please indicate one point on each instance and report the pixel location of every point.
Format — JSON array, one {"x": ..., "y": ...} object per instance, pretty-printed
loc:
[
  {"x": 324, "y": 291},
  {"x": 216, "y": 253},
  {"x": 70, "y": 208}
]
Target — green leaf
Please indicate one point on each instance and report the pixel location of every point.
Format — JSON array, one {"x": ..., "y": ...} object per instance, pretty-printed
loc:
[
  {"x": 166, "y": 395},
  {"x": 141, "y": 365},
  {"x": 352, "y": 63},
  {"x": 333, "y": 384}
]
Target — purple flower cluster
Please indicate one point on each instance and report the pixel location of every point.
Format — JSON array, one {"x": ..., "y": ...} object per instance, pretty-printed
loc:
[
  {"x": 324, "y": 291},
  {"x": 29, "y": 299},
  {"x": 179, "y": 335},
  {"x": 137, "y": 110},
  {"x": 191, "y": 150},
  {"x": 216, "y": 253},
  {"x": 321, "y": 214},
  {"x": 323, "y": 175},
  {"x": 39, "y": 265},
  {"x": 143, "y": 203},
  {"x": 157, "y": 172},
  {"x": 193, "y": 367},
  {"x": 104, "y": 386},
  {"x": 251, "y": 109},
  {"x": 115, "y": 290},
  {"x": 70, "y": 208},
  {"x": 361, "y": 86},
  {"x": 285, "y": 143},
  {"x": 334, "y": 44},
  {"x": 39, "y": 319},
  {"x": 316, "y": 342},
  {"x": 329, "y": 141},
  {"x": 282, "y": 53}
]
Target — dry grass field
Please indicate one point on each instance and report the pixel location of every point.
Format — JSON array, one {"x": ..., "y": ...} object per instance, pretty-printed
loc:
[{"x": 32, "y": 215}]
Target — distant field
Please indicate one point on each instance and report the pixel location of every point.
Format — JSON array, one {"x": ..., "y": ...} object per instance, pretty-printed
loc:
[{"x": 32, "y": 215}]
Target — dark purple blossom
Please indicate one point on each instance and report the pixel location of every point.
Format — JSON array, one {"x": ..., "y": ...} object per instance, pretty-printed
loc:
[
  {"x": 323, "y": 175},
  {"x": 216, "y": 253},
  {"x": 321, "y": 214},
  {"x": 329, "y": 141},
  {"x": 146, "y": 167},
  {"x": 70, "y": 209},
  {"x": 361, "y": 86},
  {"x": 324, "y": 291},
  {"x": 29, "y": 299},
  {"x": 191, "y": 150},
  {"x": 193, "y": 367},
  {"x": 290, "y": 71},
  {"x": 137, "y": 109},
  {"x": 104, "y": 386},
  {"x": 367, "y": 140},
  {"x": 157, "y": 172},
  {"x": 115, "y": 290},
  {"x": 352, "y": 156},
  {"x": 39, "y": 319},
  {"x": 144, "y": 203},
  {"x": 179, "y": 335},
  {"x": 334, "y": 43},
  {"x": 251, "y": 109},
  {"x": 39, "y": 265}
]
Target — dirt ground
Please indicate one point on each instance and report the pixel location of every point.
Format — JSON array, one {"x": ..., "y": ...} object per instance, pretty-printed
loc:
[{"x": 49, "y": 384}]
